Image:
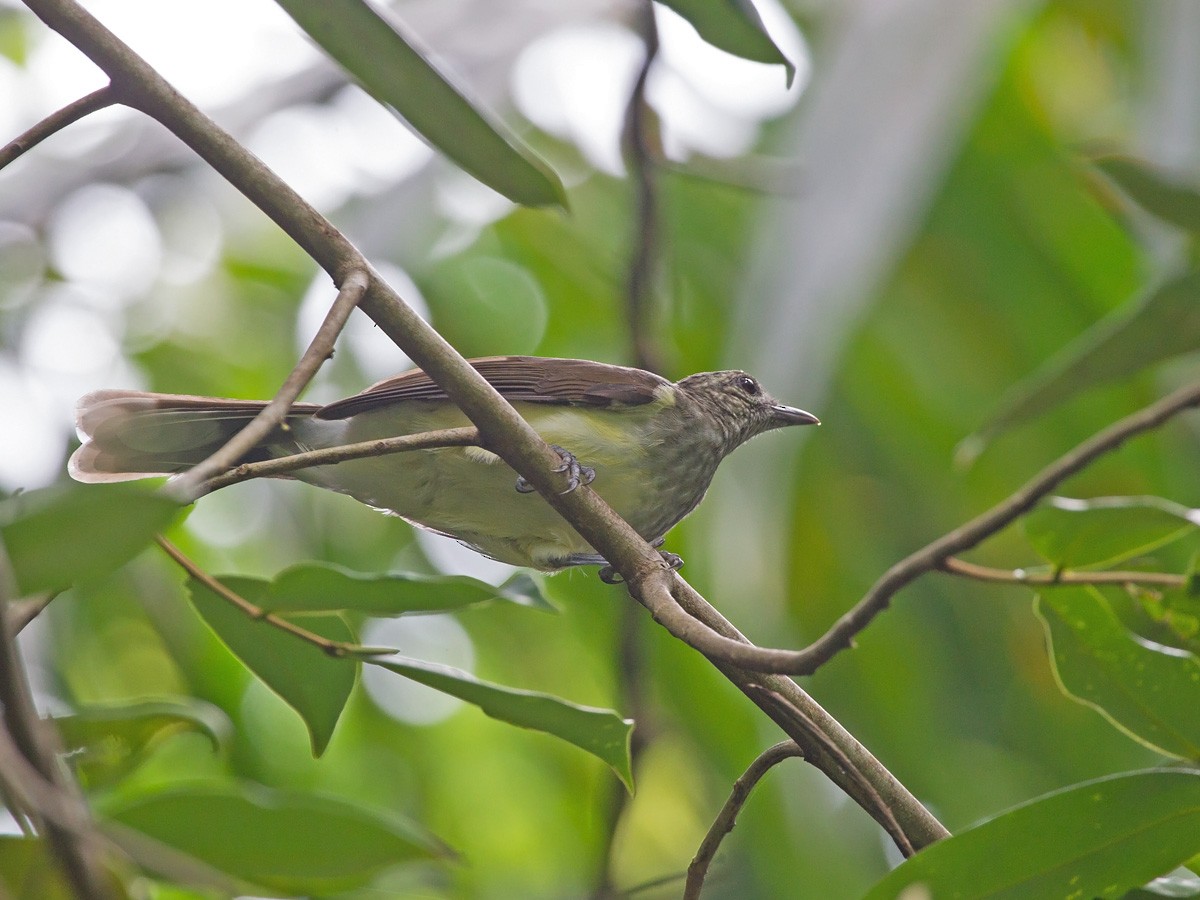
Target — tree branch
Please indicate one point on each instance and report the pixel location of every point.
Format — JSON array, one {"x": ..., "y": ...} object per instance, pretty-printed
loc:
[
  {"x": 336, "y": 649},
  {"x": 703, "y": 635},
  {"x": 954, "y": 566},
  {"x": 57, "y": 121},
  {"x": 639, "y": 157},
  {"x": 930, "y": 557},
  {"x": 501, "y": 428},
  {"x": 22, "y": 612},
  {"x": 466, "y": 436},
  {"x": 29, "y": 761},
  {"x": 727, "y": 817},
  {"x": 191, "y": 484}
]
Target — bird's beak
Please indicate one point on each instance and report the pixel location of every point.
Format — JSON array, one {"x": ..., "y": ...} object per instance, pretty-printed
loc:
[{"x": 782, "y": 416}]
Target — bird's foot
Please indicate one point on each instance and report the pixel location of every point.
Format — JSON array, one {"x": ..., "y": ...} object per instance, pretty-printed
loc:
[
  {"x": 576, "y": 474},
  {"x": 673, "y": 561}
]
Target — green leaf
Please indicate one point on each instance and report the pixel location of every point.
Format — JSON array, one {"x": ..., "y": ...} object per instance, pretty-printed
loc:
[
  {"x": 1177, "y": 610},
  {"x": 290, "y": 841},
  {"x": 1165, "y": 323},
  {"x": 398, "y": 74},
  {"x": 1105, "y": 530},
  {"x": 1096, "y": 839},
  {"x": 29, "y": 870},
  {"x": 61, "y": 535},
  {"x": 600, "y": 732},
  {"x": 1178, "y": 884},
  {"x": 735, "y": 27},
  {"x": 105, "y": 742},
  {"x": 14, "y": 41},
  {"x": 1154, "y": 190},
  {"x": 1149, "y": 691},
  {"x": 313, "y": 683},
  {"x": 321, "y": 587}
]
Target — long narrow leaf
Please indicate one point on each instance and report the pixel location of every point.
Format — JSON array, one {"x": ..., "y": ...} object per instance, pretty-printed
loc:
[
  {"x": 1096, "y": 839},
  {"x": 1149, "y": 691},
  {"x": 1163, "y": 324},
  {"x": 296, "y": 842},
  {"x": 314, "y": 684},
  {"x": 395, "y": 72},
  {"x": 600, "y": 732},
  {"x": 61, "y": 535},
  {"x": 735, "y": 27}
]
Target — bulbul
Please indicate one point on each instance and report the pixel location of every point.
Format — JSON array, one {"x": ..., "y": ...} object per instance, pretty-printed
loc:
[{"x": 649, "y": 446}]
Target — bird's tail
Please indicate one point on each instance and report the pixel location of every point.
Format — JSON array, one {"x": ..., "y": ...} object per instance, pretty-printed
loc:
[{"x": 134, "y": 434}]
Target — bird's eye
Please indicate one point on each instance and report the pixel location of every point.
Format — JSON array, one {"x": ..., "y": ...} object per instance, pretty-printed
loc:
[{"x": 749, "y": 385}]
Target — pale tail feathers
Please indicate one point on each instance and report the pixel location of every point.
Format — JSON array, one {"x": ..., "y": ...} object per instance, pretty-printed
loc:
[{"x": 133, "y": 434}]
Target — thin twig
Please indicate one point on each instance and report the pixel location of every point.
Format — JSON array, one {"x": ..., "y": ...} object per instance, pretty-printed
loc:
[
  {"x": 954, "y": 566},
  {"x": 639, "y": 300},
  {"x": 336, "y": 649},
  {"x": 836, "y": 752},
  {"x": 880, "y": 809},
  {"x": 727, "y": 817},
  {"x": 53, "y": 804},
  {"x": 840, "y": 636},
  {"x": 30, "y": 745},
  {"x": 754, "y": 174},
  {"x": 639, "y": 156},
  {"x": 22, "y": 612},
  {"x": 188, "y": 486},
  {"x": 57, "y": 121},
  {"x": 48, "y": 802},
  {"x": 501, "y": 428},
  {"x": 467, "y": 436}
]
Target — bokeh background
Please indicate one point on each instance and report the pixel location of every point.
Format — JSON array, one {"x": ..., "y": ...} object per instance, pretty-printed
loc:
[{"x": 894, "y": 242}]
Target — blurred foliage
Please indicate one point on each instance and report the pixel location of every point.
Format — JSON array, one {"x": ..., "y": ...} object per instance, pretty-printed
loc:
[{"x": 1019, "y": 266}]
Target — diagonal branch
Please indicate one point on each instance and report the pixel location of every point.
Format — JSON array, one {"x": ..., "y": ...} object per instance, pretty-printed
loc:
[
  {"x": 336, "y": 649},
  {"x": 954, "y": 566},
  {"x": 501, "y": 428},
  {"x": 679, "y": 608},
  {"x": 639, "y": 157},
  {"x": 928, "y": 558},
  {"x": 57, "y": 121},
  {"x": 284, "y": 465},
  {"x": 727, "y": 817},
  {"x": 29, "y": 760},
  {"x": 191, "y": 484}
]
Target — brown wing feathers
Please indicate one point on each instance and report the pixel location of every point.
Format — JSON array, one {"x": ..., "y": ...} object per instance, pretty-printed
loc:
[{"x": 570, "y": 382}]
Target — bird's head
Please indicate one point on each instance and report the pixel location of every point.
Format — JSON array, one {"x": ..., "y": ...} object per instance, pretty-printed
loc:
[{"x": 738, "y": 408}]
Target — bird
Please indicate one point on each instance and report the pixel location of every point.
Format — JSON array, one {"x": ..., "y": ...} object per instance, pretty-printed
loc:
[{"x": 647, "y": 445}]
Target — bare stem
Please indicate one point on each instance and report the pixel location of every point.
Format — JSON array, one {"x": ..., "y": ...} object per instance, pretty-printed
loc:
[
  {"x": 639, "y": 155},
  {"x": 273, "y": 468},
  {"x": 826, "y": 743},
  {"x": 639, "y": 298},
  {"x": 930, "y": 557},
  {"x": 700, "y": 635},
  {"x": 31, "y": 772},
  {"x": 336, "y": 649},
  {"x": 955, "y": 566},
  {"x": 727, "y": 817},
  {"x": 191, "y": 484},
  {"x": 57, "y": 121},
  {"x": 501, "y": 428},
  {"x": 22, "y": 612}
]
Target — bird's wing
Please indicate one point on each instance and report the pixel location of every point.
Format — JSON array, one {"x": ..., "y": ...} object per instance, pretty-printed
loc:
[{"x": 529, "y": 379}]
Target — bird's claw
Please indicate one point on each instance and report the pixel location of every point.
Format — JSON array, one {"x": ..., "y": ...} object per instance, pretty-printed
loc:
[
  {"x": 576, "y": 474},
  {"x": 672, "y": 561},
  {"x": 609, "y": 575}
]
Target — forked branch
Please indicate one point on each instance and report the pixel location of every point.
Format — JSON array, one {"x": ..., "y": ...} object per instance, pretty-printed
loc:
[{"x": 57, "y": 121}]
